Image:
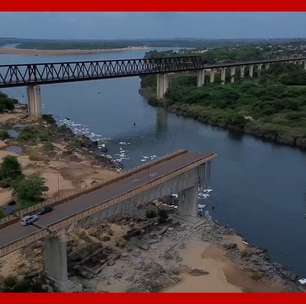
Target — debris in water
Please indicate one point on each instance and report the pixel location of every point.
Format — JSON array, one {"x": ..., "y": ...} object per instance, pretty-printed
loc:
[{"x": 302, "y": 281}]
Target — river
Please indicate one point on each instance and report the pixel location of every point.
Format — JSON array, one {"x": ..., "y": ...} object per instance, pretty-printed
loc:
[{"x": 259, "y": 187}]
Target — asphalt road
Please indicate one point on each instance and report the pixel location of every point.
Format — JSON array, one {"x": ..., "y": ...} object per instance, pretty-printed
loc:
[{"x": 99, "y": 196}]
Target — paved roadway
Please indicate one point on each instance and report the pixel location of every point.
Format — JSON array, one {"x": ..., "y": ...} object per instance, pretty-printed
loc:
[{"x": 128, "y": 182}]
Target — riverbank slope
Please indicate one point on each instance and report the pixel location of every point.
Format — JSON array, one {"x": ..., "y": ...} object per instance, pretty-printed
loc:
[{"x": 272, "y": 107}]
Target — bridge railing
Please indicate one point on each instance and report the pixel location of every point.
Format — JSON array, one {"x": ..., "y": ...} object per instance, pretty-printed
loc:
[{"x": 60, "y": 198}]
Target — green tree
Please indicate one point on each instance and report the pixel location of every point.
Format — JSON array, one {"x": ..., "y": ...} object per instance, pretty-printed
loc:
[
  {"x": 2, "y": 214},
  {"x": 30, "y": 191},
  {"x": 4, "y": 134},
  {"x": 10, "y": 170},
  {"x": 6, "y": 103}
]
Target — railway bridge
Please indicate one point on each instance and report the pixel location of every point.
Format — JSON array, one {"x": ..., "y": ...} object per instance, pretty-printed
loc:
[
  {"x": 35, "y": 74},
  {"x": 181, "y": 172}
]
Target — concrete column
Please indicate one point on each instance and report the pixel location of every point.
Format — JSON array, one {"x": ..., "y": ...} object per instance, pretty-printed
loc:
[
  {"x": 55, "y": 261},
  {"x": 267, "y": 66},
  {"x": 223, "y": 75},
  {"x": 233, "y": 73},
  {"x": 212, "y": 76},
  {"x": 259, "y": 68},
  {"x": 200, "y": 78},
  {"x": 251, "y": 71},
  {"x": 188, "y": 202},
  {"x": 242, "y": 71},
  {"x": 162, "y": 85},
  {"x": 304, "y": 64},
  {"x": 34, "y": 101}
]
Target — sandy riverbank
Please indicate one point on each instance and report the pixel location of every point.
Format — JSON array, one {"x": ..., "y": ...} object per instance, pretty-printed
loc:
[
  {"x": 130, "y": 255},
  {"x": 65, "y": 168},
  {"x": 40, "y": 52}
]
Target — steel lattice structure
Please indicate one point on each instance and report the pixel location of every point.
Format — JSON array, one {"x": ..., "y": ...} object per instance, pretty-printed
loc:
[
  {"x": 13, "y": 75},
  {"x": 56, "y": 72}
]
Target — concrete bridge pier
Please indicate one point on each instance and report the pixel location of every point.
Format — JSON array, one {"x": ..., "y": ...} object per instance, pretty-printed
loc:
[
  {"x": 223, "y": 75},
  {"x": 251, "y": 71},
  {"x": 267, "y": 66},
  {"x": 259, "y": 68},
  {"x": 55, "y": 262},
  {"x": 162, "y": 85},
  {"x": 242, "y": 71},
  {"x": 34, "y": 101},
  {"x": 188, "y": 202},
  {"x": 305, "y": 65},
  {"x": 233, "y": 73},
  {"x": 212, "y": 75},
  {"x": 200, "y": 78}
]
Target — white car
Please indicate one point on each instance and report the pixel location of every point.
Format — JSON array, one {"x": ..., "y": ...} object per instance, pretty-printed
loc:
[{"x": 29, "y": 219}]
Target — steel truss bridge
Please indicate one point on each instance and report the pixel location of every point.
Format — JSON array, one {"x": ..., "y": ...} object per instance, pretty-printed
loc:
[{"x": 13, "y": 75}]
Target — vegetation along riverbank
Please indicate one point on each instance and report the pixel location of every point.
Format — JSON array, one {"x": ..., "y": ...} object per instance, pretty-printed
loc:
[{"x": 272, "y": 106}]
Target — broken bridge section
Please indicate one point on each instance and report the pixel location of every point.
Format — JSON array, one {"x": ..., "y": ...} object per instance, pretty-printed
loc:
[{"x": 181, "y": 172}]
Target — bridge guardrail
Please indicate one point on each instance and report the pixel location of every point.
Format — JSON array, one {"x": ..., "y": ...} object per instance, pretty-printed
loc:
[{"x": 72, "y": 194}]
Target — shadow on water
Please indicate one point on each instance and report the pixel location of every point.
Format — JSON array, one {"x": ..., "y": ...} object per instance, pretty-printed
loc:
[
  {"x": 235, "y": 135},
  {"x": 161, "y": 121},
  {"x": 14, "y": 149}
]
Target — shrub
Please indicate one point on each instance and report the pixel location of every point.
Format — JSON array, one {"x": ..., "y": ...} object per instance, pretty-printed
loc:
[
  {"x": 10, "y": 170},
  {"x": 35, "y": 134},
  {"x": 162, "y": 216},
  {"x": 10, "y": 282},
  {"x": 236, "y": 120},
  {"x": 6, "y": 103},
  {"x": 151, "y": 213},
  {"x": 30, "y": 190},
  {"x": 28, "y": 283},
  {"x": 4, "y": 134},
  {"x": 2, "y": 214},
  {"x": 27, "y": 134},
  {"x": 49, "y": 119}
]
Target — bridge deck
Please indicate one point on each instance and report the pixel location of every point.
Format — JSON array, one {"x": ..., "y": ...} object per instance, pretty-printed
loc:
[
  {"x": 57, "y": 72},
  {"x": 126, "y": 183}
]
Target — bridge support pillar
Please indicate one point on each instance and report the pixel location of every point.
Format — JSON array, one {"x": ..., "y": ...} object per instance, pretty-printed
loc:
[
  {"x": 34, "y": 101},
  {"x": 162, "y": 85},
  {"x": 233, "y": 73},
  {"x": 267, "y": 66},
  {"x": 188, "y": 202},
  {"x": 304, "y": 64},
  {"x": 259, "y": 68},
  {"x": 200, "y": 78},
  {"x": 212, "y": 76},
  {"x": 251, "y": 71},
  {"x": 55, "y": 262},
  {"x": 223, "y": 75},
  {"x": 242, "y": 71}
]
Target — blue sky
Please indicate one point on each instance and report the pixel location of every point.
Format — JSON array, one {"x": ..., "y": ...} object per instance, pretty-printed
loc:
[{"x": 152, "y": 25}]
